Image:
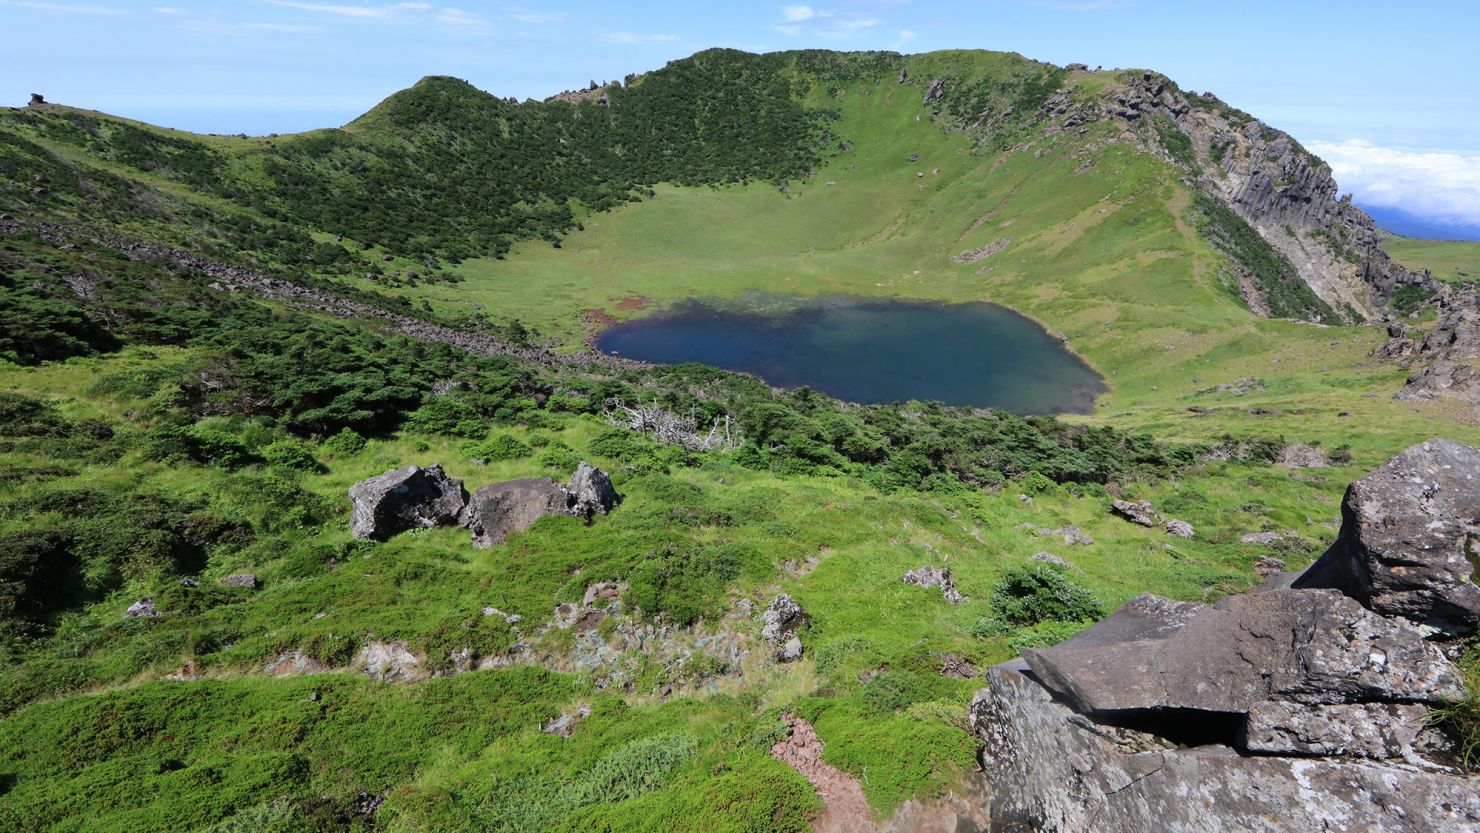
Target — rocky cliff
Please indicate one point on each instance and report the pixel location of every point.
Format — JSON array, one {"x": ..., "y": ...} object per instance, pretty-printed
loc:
[{"x": 1270, "y": 182}]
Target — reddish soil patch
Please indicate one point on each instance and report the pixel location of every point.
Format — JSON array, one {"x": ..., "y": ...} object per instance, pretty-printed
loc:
[
  {"x": 633, "y": 303},
  {"x": 847, "y": 808},
  {"x": 598, "y": 317}
]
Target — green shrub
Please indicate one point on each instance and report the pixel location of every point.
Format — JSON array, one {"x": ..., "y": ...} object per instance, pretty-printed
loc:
[
  {"x": 346, "y": 443},
  {"x": 1035, "y": 593},
  {"x": 497, "y": 448},
  {"x": 290, "y": 454}
]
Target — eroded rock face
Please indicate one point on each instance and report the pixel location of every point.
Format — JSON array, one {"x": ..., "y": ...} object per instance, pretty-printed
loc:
[
  {"x": 1054, "y": 771},
  {"x": 1365, "y": 730},
  {"x": 1406, "y": 546},
  {"x": 513, "y": 506},
  {"x": 1313, "y": 646},
  {"x": 390, "y": 662},
  {"x": 590, "y": 492},
  {"x": 401, "y": 499}
]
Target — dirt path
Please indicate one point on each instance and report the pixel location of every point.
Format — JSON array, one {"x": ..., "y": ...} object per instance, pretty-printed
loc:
[{"x": 847, "y": 808}]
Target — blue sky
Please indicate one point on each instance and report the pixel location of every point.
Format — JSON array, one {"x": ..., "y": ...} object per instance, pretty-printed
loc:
[{"x": 1387, "y": 92}]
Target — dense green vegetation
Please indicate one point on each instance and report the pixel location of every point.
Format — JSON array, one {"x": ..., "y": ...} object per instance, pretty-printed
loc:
[
  {"x": 1283, "y": 289},
  {"x": 159, "y": 433}
]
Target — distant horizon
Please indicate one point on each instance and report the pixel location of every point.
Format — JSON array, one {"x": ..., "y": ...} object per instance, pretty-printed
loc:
[{"x": 1379, "y": 90}]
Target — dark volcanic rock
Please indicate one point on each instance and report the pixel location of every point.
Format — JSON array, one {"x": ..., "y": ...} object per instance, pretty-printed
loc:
[
  {"x": 1302, "y": 646},
  {"x": 591, "y": 492},
  {"x": 37, "y": 98},
  {"x": 142, "y": 609},
  {"x": 934, "y": 92},
  {"x": 403, "y": 499},
  {"x": 1407, "y": 537},
  {"x": 501, "y": 508},
  {"x": 1054, "y": 771},
  {"x": 784, "y": 617}
]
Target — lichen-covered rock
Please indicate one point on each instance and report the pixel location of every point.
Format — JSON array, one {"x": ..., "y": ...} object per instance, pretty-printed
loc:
[
  {"x": 784, "y": 617},
  {"x": 1055, "y": 771},
  {"x": 142, "y": 609},
  {"x": 1137, "y": 512},
  {"x": 401, "y": 499},
  {"x": 1180, "y": 529},
  {"x": 936, "y": 578},
  {"x": 1405, "y": 547},
  {"x": 390, "y": 662},
  {"x": 1363, "y": 730},
  {"x": 790, "y": 651},
  {"x": 1298, "y": 645},
  {"x": 590, "y": 492},
  {"x": 247, "y": 580},
  {"x": 498, "y": 509}
]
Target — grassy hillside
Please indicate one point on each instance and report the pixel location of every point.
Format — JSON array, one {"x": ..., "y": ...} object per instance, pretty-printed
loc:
[
  {"x": 162, "y": 430},
  {"x": 1451, "y": 261}
]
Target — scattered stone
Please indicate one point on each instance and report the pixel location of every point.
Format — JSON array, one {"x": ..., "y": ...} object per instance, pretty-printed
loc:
[
  {"x": 247, "y": 580},
  {"x": 915, "y": 157},
  {"x": 958, "y": 667},
  {"x": 934, "y": 577},
  {"x": 189, "y": 582},
  {"x": 605, "y": 592},
  {"x": 983, "y": 252},
  {"x": 1362, "y": 730},
  {"x": 565, "y": 724},
  {"x": 784, "y": 617},
  {"x": 1267, "y": 538},
  {"x": 402, "y": 499},
  {"x": 142, "y": 609},
  {"x": 1302, "y": 456},
  {"x": 591, "y": 492},
  {"x": 1077, "y": 68},
  {"x": 791, "y": 651},
  {"x": 1050, "y": 558},
  {"x": 367, "y": 803},
  {"x": 1180, "y": 529},
  {"x": 1137, "y": 512},
  {"x": 1405, "y": 546},
  {"x": 1265, "y": 566},
  {"x": 498, "y": 509},
  {"x": 37, "y": 98}
]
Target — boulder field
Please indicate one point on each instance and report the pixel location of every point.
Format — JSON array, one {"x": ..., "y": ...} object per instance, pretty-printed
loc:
[{"x": 1299, "y": 707}]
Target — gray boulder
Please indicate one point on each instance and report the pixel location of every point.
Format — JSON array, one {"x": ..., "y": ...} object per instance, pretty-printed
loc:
[
  {"x": 498, "y": 509},
  {"x": 142, "y": 609},
  {"x": 1363, "y": 730},
  {"x": 1300, "y": 646},
  {"x": 1137, "y": 512},
  {"x": 784, "y": 617},
  {"x": 590, "y": 492},
  {"x": 1404, "y": 545},
  {"x": 934, "y": 92},
  {"x": 247, "y": 580},
  {"x": 790, "y": 651},
  {"x": 38, "y": 98},
  {"x": 1180, "y": 529},
  {"x": 1055, "y": 771},
  {"x": 935, "y": 577},
  {"x": 402, "y": 499}
]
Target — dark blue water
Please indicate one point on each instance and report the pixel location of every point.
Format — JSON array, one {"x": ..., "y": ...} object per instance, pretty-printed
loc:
[{"x": 978, "y": 354}]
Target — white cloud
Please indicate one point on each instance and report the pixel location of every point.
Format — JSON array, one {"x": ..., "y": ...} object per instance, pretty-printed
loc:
[
  {"x": 905, "y": 36},
  {"x": 458, "y": 17},
  {"x": 61, "y": 8},
  {"x": 363, "y": 12},
  {"x": 168, "y": 10},
  {"x": 1439, "y": 185},
  {"x": 796, "y": 14},
  {"x": 526, "y": 16},
  {"x": 633, "y": 37}
]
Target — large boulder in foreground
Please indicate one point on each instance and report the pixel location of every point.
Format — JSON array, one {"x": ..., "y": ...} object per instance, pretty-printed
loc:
[
  {"x": 1055, "y": 771},
  {"x": 402, "y": 499},
  {"x": 1302, "y": 646},
  {"x": 1405, "y": 544},
  {"x": 498, "y": 509}
]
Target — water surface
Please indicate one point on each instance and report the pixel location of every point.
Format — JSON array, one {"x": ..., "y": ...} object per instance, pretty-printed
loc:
[{"x": 981, "y": 355}]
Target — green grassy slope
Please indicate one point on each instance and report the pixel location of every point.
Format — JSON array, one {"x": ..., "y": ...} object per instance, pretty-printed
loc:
[
  {"x": 166, "y": 460},
  {"x": 1451, "y": 261}
]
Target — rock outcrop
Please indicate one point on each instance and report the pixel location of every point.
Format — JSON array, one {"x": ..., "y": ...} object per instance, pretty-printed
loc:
[
  {"x": 784, "y": 618},
  {"x": 590, "y": 492},
  {"x": 498, "y": 509},
  {"x": 402, "y": 499},
  {"x": 1406, "y": 546},
  {"x": 1445, "y": 363},
  {"x": 1137, "y": 512},
  {"x": 936, "y": 578},
  {"x": 1291, "y": 710}
]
